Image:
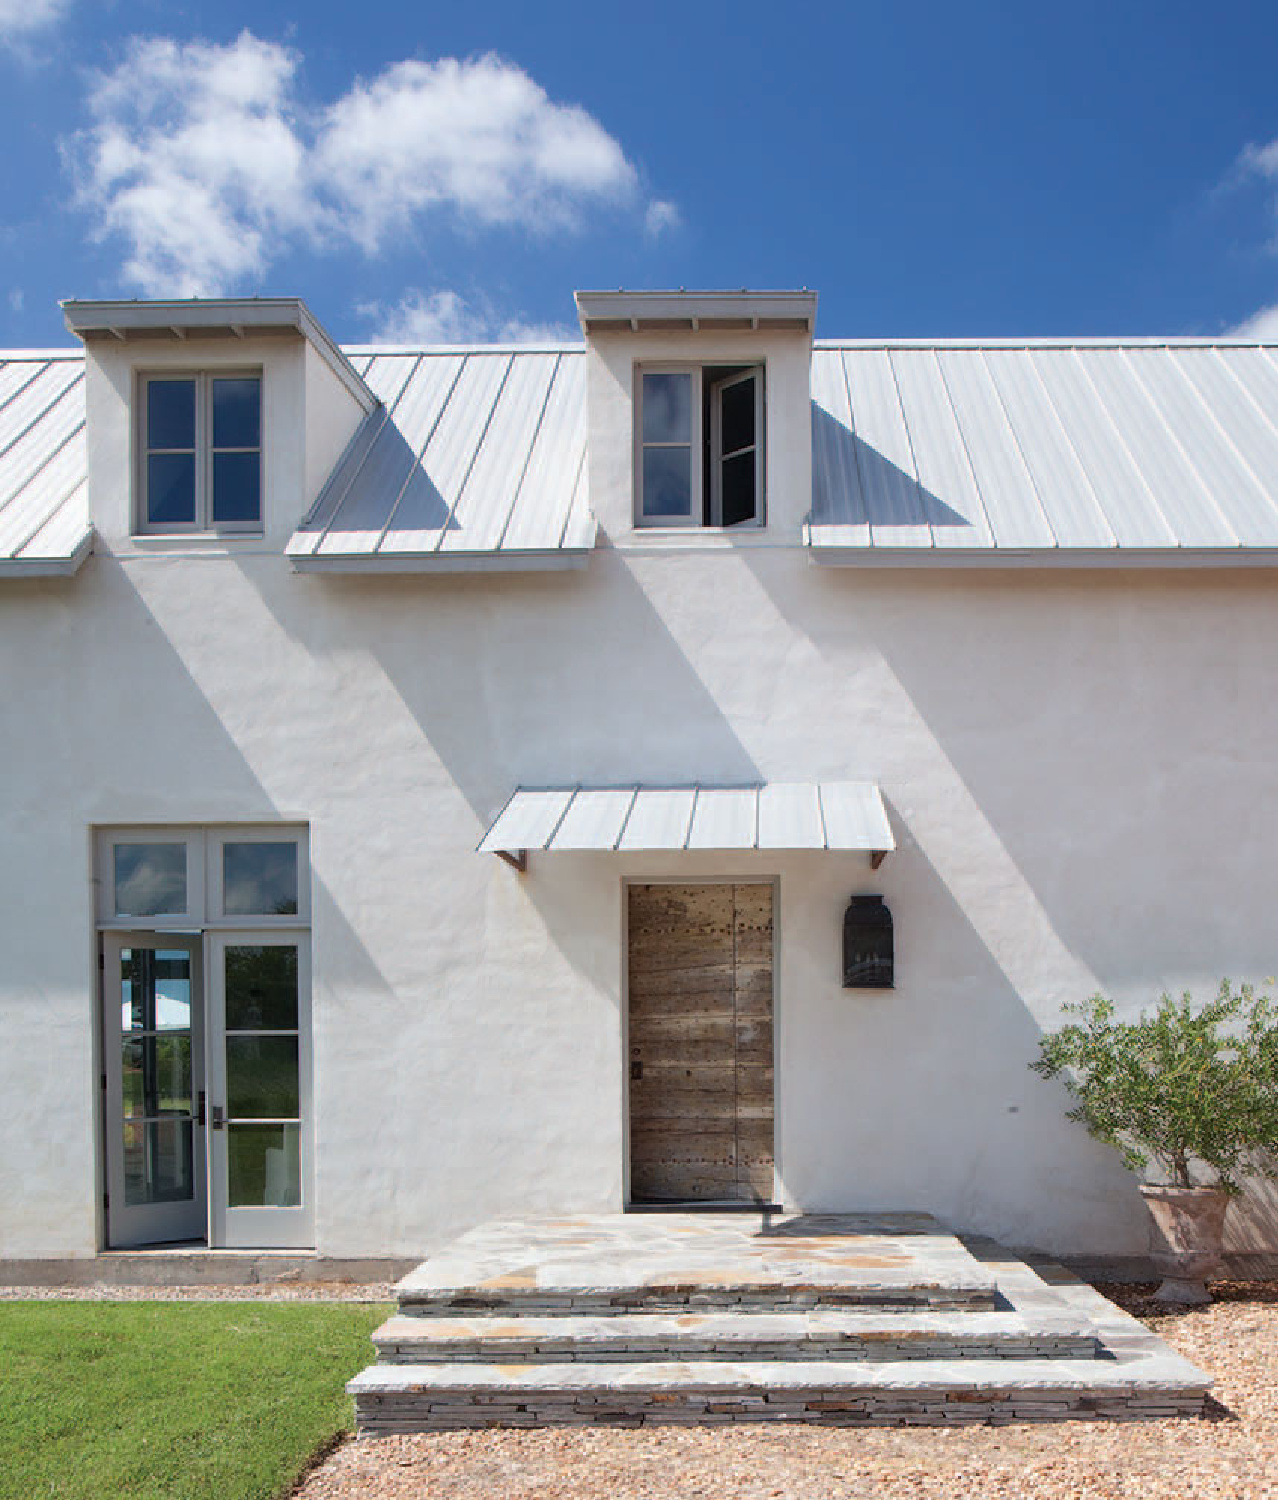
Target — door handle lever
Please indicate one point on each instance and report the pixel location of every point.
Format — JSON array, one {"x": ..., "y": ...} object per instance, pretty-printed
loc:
[
  {"x": 218, "y": 1117},
  {"x": 199, "y": 1107}
]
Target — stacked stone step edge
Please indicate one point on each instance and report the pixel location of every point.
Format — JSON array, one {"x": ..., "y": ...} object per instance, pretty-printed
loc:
[{"x": 995, "y": 1340}]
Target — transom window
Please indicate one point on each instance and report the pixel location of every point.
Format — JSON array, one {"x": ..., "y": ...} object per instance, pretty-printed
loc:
[
  {"x": 699, "y": 445},
  {"x": 201, "y": 452}
]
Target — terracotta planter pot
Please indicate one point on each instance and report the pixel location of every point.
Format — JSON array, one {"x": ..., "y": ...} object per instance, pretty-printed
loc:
[{"x": 1186, "y": 1233}]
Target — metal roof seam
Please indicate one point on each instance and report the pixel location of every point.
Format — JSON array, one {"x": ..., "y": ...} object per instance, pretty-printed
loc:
[
  {"x": 45, "y": 519},
  {"x": 909, "y": 441},
  {"x": 1169, "y": 428},
  {"x": 1020, "y": 449},
  {"x": 967, "y": 451},
  {"x": 355, "y": 438},
  {"x": 1243, "y": 462},
  {"x": 470, "y": 467},
  {"x": 1108, "y": 416},
  {"x": 692, "y": 813},
  {"x": 421, "y": 455},
  {"x": 625, "y": 822},
  {"x": 567, "y": 521},
  {"x": 825, "y": 832},
  {"x": 41, "y": 415},
  {"x": 36, "y": 372},
  {"x": 1233, "y": 376},
  {"x": 532, "y": 444},
  {"x": 856, "y": 452},
  {"x": 493, "y": 824},
  {"x": 1037, "y": 376},
  {"x": 14, "y": 495},
  {"x": 559, "y": 822}
]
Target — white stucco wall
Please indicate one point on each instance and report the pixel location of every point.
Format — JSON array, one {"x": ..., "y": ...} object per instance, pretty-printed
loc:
[{"x": 1078, "y": 765}]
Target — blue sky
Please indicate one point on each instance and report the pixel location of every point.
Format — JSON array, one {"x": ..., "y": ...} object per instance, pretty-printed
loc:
[{"x": 455, "y": 171}]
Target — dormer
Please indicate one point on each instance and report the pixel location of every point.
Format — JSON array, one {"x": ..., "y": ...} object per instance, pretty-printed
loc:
[
  {"x": 211, "y": 423},
  {"x": 699, "y": 416}
]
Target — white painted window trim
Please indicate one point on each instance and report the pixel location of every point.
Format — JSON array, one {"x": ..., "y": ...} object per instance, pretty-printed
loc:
[
  {"x": 203, "y": 876},
  {"x": 692, "y": 522},
  {"x": 203, "y": 524},
  {"x": 695, "y": 447},
  {"x": 717, "y": 455}
]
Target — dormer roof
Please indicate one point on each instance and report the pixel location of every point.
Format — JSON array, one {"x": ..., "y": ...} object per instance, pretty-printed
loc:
[{"x": 696, "y": 312}]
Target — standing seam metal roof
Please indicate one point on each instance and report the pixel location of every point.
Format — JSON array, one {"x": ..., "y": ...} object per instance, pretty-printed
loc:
[
  {"x": 44, "y": 506},
  {"x": 1043, "y": 448},
  {"x": 473, "y": 453}
]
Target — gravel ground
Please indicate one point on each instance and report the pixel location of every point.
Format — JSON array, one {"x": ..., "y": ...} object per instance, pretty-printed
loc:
[{"x": 1232, "y": 1453}]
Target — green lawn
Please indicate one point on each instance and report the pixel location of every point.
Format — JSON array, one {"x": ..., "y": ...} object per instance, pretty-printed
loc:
[{"x": 172, "y": 1400}]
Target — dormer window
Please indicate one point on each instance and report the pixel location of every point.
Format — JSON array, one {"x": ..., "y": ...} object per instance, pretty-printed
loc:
[
  {"x": 699, "y": 441},
  {"x": 201, "y": 452}
]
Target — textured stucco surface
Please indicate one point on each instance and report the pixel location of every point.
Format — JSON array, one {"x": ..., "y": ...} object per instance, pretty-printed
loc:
[{"x": 1079, "y": 769}]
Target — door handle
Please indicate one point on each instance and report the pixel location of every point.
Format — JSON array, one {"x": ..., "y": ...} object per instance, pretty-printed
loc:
[
  {"x": 199, "y": 1107},
  {"x": 218, "y": 1117},
  {"x": 636, "y": 1070}
]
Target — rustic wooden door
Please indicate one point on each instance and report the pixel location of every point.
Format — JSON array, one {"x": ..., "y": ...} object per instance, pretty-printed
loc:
[{"x": 700, "y": 1039}]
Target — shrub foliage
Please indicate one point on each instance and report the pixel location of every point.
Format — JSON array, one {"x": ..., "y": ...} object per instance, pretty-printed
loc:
[{"x": 1184, "y": 1087}]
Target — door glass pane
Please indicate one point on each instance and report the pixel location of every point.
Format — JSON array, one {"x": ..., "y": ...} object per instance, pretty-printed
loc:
[
  {"x": 667, "y": 481},
  {"x": 156, "y": 1072},
  {"x": 259, "y": 880},
  {"x": 150, "y": 880},
  {"x": 157, "y": 1161},
  {"x": 264, "y": 1166},
  {"x": 237, "y": 413},
  {"x": 261, "y": 987},
  {"x": 155, "y": 989},
  {"x": 667, "y": 408},
  {"x": 261, "y": 1077}
]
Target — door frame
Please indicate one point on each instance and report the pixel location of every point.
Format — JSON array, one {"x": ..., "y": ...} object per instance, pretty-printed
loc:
[
  {"x": 165, "y": 1223},
  {"x": 772, "y": 879}
]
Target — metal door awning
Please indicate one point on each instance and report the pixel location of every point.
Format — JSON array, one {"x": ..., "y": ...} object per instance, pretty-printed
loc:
[{"x": 779, "y": 815}]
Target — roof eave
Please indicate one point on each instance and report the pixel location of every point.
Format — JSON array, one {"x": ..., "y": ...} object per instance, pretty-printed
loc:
[
  {"x": 49, "y": 567},
  {"x": 519, "y": 560}
]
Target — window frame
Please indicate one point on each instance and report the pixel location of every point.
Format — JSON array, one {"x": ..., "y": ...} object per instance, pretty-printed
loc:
[
  {"x": 203, "y": 523},
  {"x": 703, "y": 443}
]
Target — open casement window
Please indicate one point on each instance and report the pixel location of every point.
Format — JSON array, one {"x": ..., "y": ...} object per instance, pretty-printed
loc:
[
  {"x": 699, "y": 446},
  {"x": 200, "y": 452}
]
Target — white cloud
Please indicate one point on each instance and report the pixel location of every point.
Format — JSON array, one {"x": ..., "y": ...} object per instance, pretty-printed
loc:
[
  {"x": 1261, "y": 325},
  {"x": 202, "y": 160},
  {"x": 17, "y": 299},
  {"x": 18, "y": 18},
  {"x": 194, "y": 161},
  {"x": 478, "y": 137},
  {"x": 659, "y": 216},
  {"x": 445, "y": 317}
]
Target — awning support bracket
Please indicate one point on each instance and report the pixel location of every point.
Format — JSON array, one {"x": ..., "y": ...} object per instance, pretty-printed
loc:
[
  {"x": 517, "y": 859},
  {"x": 877, "y": 856}
]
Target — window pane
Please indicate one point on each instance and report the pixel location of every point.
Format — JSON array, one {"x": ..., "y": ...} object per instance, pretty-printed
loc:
[
  {"x": 157, "y": 1161},
  {"x": 170, "y": 414},
  {"x": 150, "y": 880},
  {"x": 667, "y": 481},
  {"x": 156, "y": 1071},
  {"x": 237, "y": 487},
  {"x": 264, "y": 1166},
  {"x": 170, "y": 488},
  {"x": 261, "y": 988},
  {"x": 667, "y": 408},
  {"x": 155, "y": 990},
  {"x": 737, "y": 416},
  {"x": 259, "y": 879},
  {"x": 261, "y": 1077},
  {"x": 237, "y": 414},
  {"x": 738, "y": 489}
]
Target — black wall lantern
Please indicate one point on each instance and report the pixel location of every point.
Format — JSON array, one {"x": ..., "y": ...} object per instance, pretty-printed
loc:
[{"x": 867, "y": 944}]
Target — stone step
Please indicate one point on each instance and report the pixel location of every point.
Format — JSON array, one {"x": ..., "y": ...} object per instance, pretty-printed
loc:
[
  {"x": 736, "y": 1335},
  {"x": 428, "y": 1397}
]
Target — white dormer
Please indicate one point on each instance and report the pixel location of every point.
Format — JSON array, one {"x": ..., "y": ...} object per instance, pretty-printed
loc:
[
  {"x": 210, "y": 422},
  {"x": 699, "y": 415}
]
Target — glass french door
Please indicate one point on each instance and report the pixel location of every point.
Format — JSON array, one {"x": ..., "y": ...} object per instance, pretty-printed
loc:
[
  {"x": 208, "y": 1089},
  {"x": 259, "y": 1069},
  {"x": 154, "y": 1066}
]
